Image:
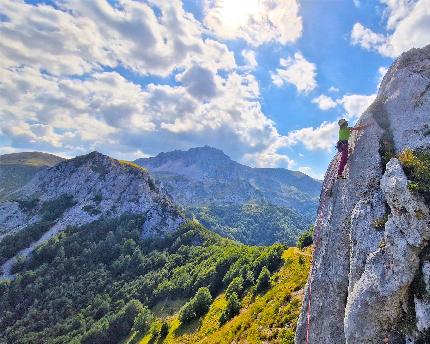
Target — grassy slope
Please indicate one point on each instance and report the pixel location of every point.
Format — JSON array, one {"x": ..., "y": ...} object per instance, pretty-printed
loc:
[
  {"x": 270, "y": 317},
  {"x": 17, "y": 169}
]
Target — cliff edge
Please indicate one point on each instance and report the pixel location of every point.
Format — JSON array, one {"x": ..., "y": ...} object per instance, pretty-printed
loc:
[{"x": 371, "y": 276}]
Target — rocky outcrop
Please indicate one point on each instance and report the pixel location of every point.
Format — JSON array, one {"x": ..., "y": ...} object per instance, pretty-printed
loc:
[
  {"x": 370, "y": 280},
  {"x": 94, "y": 186}
]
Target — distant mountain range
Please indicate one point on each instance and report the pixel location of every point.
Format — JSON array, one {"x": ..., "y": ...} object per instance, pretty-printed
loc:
[
  {"x": 257, "y": 206},
  {"x": 224, "y": 195}
]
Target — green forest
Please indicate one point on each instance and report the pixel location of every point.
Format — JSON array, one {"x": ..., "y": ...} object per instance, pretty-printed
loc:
[
  {"x": 97, "y": 283},
  {"x": 253, "y": 223}
]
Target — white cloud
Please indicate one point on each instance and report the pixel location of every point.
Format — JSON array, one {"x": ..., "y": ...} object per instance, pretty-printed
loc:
[
  {"x": 355, "y": 104},
  {"x": 408, "y": 26},
  {"x": 251, "y": 61},
  {"x": 324, "y": 102},
  {"x": 44, "y": 106},
  {"x": 356, "y": 3},
  {"x": 333, "y": 89},
  {"x": 296, "y": 71},
  {"x": 323, "y": 137},
  {"x": 7, "y": 150},
  {"x": 85, "y": 36},
  {"x": 255, "y": 21},
  {"x": 366, "y": 38},
  {"x": 310, "y": 172}
]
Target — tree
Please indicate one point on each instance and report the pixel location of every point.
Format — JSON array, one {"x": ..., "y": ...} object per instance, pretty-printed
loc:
[
  {"x": 306, "y": 238},
  {"x": 263, "y": 280},
  {"x": 143, "y": 321},
  {"x": 197, "y": 306},
  {"x": 233, "y": 308},
  {"x": 235, "y": 286},
  {"x": 187, "y": 313},
  {"x": 202, "y": 301}
]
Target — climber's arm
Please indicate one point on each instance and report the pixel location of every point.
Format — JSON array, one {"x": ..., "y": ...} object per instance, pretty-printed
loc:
[{"x": 360, "y": 127}]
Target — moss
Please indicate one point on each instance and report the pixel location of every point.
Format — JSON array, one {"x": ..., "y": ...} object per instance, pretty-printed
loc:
[{"x": 416, "y": 165}]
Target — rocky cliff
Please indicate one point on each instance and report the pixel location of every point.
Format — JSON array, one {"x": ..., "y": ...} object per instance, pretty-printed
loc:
[
  {"x": 371, "y": 276},
  {"x": 81, "y": 190}
]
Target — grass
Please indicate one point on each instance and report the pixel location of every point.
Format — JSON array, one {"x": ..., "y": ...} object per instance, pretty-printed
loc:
[
  {"x": 132, "y": 164},
  {"x": 267, "y": 318},
  {"x": 417, "y": 167}
]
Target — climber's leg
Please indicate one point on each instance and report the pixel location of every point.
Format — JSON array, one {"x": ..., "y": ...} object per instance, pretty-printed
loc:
[{"x": 343, "y": 158}]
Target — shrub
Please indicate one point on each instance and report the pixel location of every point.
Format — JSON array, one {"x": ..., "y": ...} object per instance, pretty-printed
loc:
[
  {"x": 306, "y": 238},
  {"x": 417, "y": 167}
]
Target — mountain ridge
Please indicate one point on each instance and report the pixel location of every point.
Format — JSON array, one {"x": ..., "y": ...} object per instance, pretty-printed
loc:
[
  {"x": 81, "y": 190},
  {"x": 219, "y": 192}
]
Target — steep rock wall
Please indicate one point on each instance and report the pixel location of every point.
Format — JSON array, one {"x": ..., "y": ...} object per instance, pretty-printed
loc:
[{"x": 365, "y": 269}]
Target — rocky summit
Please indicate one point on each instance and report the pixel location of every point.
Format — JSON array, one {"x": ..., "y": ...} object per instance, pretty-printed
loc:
[
  {"x": 84, "y": 189},
  {"x": 370, "y": 281},
  {"x": 205, "y": 175}
]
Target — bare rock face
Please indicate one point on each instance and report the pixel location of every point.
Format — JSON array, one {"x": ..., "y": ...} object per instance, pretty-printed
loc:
[
  {"x": 95, "y": 186},
  {"x": 371, "y": 276}
]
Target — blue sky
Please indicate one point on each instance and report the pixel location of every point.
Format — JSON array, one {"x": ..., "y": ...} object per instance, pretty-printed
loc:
[{"x": 263, "y": 80}]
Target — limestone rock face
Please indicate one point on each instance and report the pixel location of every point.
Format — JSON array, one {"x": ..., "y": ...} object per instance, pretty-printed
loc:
[
  {"x": 96, "y": 186},
  {"x": 371, "y": 272}
]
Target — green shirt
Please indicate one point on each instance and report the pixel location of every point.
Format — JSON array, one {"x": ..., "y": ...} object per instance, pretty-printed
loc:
[{"x": 344, "y": 134}]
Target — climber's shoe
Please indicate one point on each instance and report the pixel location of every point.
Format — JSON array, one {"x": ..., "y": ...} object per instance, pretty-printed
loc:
[{"x": 341, "y": 177}]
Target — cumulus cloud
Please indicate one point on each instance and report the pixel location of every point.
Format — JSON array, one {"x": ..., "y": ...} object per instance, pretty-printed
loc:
[
  {"x": 57, "y": 94},
  {"x": 324, "y": 102},
  {"x": 79, "y": 37},
  {"x": 255, "y": 21},
  {"x": 407, "y": 26},
  {"x": 297, "y": 71},
  {"x": 200, "y": 82},
  {"x": 355, "y": 104},
  {"x": 322, "y": 137},
  {"x": 366, "y": 38},
  {"x": 250, "y": 60}
]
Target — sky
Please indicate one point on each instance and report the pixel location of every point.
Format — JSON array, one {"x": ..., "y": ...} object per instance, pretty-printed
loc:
[{"x": 263, "y": 80}]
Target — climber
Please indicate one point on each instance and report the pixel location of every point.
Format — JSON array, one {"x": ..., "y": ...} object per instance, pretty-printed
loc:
[{"x": 342, "y": 144}]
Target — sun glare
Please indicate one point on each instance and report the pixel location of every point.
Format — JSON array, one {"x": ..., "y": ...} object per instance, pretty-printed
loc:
[{"x": 236, "y": 13}]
